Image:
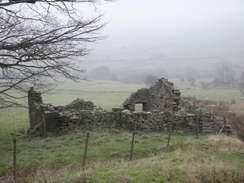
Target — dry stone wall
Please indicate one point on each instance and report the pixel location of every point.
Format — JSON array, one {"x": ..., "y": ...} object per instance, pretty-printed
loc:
[
  {"x": 56, "y": 121},
  {"x": 150, "y": 121}
]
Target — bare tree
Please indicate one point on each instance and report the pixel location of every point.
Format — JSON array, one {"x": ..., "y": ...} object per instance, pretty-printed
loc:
[
  {"x": 102, "y": 73},
  {"x": 192, "y": 81},
  {"x": 205, "y": 85},
  {"x": 150, "y": 80},
  {"x": 241, "y": 84},
  {"x": 226, "y": 73},
  {"x": 218, "y": 82},
  {"x": 42, "y": 41},
  {"x": 241, "y": 87}
]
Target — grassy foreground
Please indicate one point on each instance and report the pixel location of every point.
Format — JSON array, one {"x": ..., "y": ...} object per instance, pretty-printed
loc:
[{"x": 59, "y": 158}]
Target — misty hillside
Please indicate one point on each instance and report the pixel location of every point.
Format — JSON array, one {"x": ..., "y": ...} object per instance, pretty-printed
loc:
[{"x": 170, "y": 37}]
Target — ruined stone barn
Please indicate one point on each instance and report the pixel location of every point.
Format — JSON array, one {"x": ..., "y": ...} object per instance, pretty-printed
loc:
[
  {"x": 162, "y": 96},
  {"x": 162, "y": 105}
]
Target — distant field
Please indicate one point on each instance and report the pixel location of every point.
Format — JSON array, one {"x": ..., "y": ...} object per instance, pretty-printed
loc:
[
  {"x": 210, "y": 94},
  {"x": 108, "y": 94},
  {"x": 13, "y": 119},
  {"x": 216, "y": 95},
  {"x": 105, "y": 94}
]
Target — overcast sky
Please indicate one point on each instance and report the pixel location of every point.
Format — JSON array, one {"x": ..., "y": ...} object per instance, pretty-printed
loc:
[
  {"x": 168, "y": 26},
  {"x": 182, "y": 14}
]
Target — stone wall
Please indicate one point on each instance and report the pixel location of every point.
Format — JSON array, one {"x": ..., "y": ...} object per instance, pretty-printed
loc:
[
  {"x": 160, "y": 97},
  {"x": 56, "y": 121},
  {"x": 163, "y": 96},
  {"x": 186, "y": 122},
  {"x": 138, "y": 97},
  {"x": 45, "y": 118},
  {"x": 35, "y": 109}
]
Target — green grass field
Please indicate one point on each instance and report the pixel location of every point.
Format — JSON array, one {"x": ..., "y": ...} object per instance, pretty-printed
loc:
[
  {"x": 58, "y": 158},
  {"x": 105, "y": 94}
]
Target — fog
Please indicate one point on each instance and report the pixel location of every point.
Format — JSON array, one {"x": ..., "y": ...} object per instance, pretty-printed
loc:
[{"x": 170, "y": 35}]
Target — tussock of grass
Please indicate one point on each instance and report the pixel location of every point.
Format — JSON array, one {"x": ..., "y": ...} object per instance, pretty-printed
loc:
[
  {"x": 226, "y": 143},
  {"x": 212, "y": 172},
  {"x": 175, "y": 167}
]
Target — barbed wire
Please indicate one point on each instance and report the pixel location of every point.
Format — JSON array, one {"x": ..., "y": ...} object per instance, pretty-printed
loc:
[
  {"x": 29, "y": 147},
  {"x": 6, "y": 147},
  {"x": 6, "y": 138}
]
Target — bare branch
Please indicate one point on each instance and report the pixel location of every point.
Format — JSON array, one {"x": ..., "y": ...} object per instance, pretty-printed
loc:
[{"x": 39, "y": 48}]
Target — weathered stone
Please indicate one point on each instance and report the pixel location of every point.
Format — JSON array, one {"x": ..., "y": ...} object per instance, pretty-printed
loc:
[
  {"x": 50, "y": 122},
  {"x": 35, "y": 109},
  {"x": 159, "y": 97}
]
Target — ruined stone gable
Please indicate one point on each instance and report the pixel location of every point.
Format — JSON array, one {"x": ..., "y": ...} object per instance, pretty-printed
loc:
[{"x": 162, "y": 96}]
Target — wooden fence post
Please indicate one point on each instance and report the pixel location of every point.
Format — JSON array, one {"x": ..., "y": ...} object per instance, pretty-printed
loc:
[
  {"x": 14, "y": 159},
  {"x": 223, "y": 127},
  {"x": 85, "y": 151},
  {"x": 169, "y": 134},
  {"x": 197, "y": 126},
  {"x": 132, "y": 143}
]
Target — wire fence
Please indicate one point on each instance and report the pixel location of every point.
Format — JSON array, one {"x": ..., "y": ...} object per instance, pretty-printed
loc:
[
  {"x": 5, "y": 146},
  {"x": 12, "y": 148}
]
